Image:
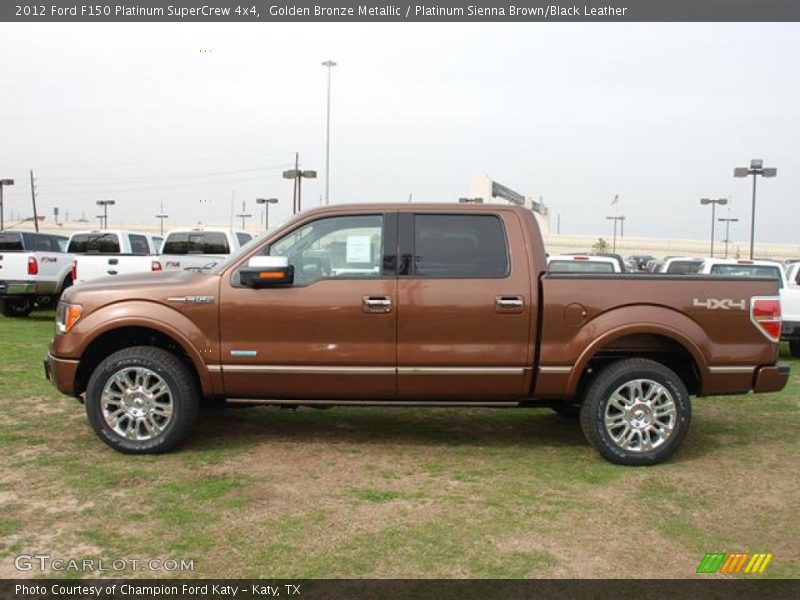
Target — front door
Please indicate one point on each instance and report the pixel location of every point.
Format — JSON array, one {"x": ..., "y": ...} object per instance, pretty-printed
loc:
[
  {"x": 333, "y": 333},
  {"x": 464, "y": 307}
]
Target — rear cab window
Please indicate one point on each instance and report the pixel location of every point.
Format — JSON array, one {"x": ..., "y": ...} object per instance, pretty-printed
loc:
[
  {"x": 196, "y": 242},
  {"x": 748, "y": 271},
  {"x": 243, "y": 238},
  {"x": 94, "y": 243},
  {"x": 11, "y": 242},
  {"x": 684, "y": 267},
  {"x": 579, "y": 266},
  {"x": 464, "y": 246}
]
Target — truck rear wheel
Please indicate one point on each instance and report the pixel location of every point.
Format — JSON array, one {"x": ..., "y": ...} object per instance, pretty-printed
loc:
[
  {"x": 636, "y": 412},
  {"x": 142, "y": 400},
  {"x": 16, "y": 307},
  {"x": 794, "y": 348}
]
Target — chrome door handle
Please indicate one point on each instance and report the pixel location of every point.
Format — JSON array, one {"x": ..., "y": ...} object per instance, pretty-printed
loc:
[
  {"x": 377, "y": 304},
  {"x": 509, "y": 303}
]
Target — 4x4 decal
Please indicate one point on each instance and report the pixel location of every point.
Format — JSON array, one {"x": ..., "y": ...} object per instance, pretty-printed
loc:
[{"x": 720, "y": 303}]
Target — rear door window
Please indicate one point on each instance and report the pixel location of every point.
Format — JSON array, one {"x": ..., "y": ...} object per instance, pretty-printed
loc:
[
  {"x": 464, "y": 246},
  {"x": 94, "y": 243}
]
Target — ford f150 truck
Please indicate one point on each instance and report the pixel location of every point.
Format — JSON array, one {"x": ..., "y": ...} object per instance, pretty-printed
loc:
[
  {"x": 33, "y": 270},
  {"x": 111, "y": 253},
  {"x": 790, "y": 295},
  {"x": 200, "y": 248},
  {"x": 413, "y": 305}
]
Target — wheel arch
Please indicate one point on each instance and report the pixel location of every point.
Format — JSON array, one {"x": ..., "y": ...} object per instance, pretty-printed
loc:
[
  {"x": 122, "y": 334},
  {"x": 660, "y": 343}
]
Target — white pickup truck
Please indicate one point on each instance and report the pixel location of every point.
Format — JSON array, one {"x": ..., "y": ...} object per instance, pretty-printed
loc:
[
  {"x": 790, "y": 294},
  {"x": 200, "y": 248},
  {"x": 112, "y": 252},
  {"x": 34, "y": 269}
]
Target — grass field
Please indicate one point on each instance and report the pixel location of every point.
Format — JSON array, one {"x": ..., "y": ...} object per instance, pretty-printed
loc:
[{"x": 351, "y": 492}]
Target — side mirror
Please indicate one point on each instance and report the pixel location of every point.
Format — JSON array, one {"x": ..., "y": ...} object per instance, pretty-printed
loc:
[{"x": 267, "y": 271}]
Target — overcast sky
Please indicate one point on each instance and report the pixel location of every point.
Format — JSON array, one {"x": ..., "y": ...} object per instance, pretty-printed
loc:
[{"x": 657, "y": 113}]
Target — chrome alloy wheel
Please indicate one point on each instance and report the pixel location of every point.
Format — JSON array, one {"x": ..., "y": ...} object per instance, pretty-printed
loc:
[
  {"x": 640, "y": 415},
  {"x": 137, "y": 403}
]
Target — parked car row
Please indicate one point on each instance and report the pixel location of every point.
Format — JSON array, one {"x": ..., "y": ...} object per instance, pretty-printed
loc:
[{"x": 35, "y": 268}]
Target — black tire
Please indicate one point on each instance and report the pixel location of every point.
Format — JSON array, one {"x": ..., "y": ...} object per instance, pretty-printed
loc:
[
  {"x": 179, "y": 381},
  {"x": 566, "y": 409},
  {"x": 794, "y": 348},
  {"x": 16, "y": 307},
  {"x": 597, "y": 400}
]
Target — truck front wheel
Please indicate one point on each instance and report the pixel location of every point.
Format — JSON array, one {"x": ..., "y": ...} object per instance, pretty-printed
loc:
[
  {"x": 16, "y": 307},
  {"x": 142, "y": 400},
  {"x": 636, "y": 412}
]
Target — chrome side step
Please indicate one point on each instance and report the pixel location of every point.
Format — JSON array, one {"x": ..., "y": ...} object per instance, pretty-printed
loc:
[{"x": 407, "y": 403}]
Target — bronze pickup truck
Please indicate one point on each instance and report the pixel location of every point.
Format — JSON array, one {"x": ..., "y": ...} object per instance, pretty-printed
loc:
[{"x": 413, "y": 305}]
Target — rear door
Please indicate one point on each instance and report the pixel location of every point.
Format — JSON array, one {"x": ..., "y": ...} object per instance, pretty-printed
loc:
[
  {"x": 464, "y": 306},
  {"x": 333, "y": 334}
]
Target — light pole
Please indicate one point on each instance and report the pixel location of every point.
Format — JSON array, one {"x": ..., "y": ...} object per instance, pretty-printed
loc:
[
  {"x": 3, "y": 182},
  {"x": 298, "y": 176},
  {"x": 727, "y": 221},
  {"x": 713, "y": 202},
  {"x": 161, "y": 216},
  {"x": 756, "y": 168},
  {"x": 266, "y": 202},
  {"x": 329, "y": 64},
  {"x": 105, "y": 204},
  {"x": 621, "y": 219}
]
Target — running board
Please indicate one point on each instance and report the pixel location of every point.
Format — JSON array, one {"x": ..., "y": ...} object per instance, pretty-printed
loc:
[{"x": 407, "y": 403}]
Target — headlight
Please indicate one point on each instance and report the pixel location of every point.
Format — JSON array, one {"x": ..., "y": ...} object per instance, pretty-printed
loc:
[{"x": 66, "y": 316}]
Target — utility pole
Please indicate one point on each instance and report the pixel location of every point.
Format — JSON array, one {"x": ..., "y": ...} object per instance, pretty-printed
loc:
[
  {"x": 558, "y": 224},
  {"x": 33, "y": 201},
  {"x": 243, "y": 215},
  {"x": 621, "y": 219},
  {"x": 329, "y": 64},
  {"x": 161, "y": 216},
  {"x": 727, "y": 221},
  {"x": 3, "y": 183}
]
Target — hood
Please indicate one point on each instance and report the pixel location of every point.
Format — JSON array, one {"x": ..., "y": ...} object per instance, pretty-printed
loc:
[{"x": 154, "y": 286}]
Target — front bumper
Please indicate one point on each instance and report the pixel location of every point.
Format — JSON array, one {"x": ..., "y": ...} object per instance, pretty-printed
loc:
[
  {"x": 771, "y": 379},
  {"x": 17, "y": 288},
  {"x": 61, "y": 371}
]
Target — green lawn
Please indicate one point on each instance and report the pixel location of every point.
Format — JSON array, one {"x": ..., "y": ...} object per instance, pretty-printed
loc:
[{"x": 355, "y": 492}]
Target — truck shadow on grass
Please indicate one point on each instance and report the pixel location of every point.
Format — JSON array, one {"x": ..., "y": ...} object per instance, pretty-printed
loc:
[{"x": 247, "y": 428}]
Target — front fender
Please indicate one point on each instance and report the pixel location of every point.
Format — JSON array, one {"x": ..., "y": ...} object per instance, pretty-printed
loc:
[{"x": 198, "y": 342}]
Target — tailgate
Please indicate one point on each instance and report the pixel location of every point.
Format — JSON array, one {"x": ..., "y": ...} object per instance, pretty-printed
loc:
[
  {"x": 14, "y": 266},
  {"x": 89, "y": 266}
]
